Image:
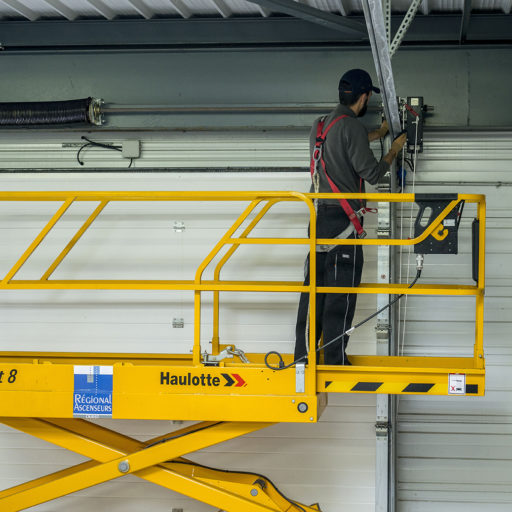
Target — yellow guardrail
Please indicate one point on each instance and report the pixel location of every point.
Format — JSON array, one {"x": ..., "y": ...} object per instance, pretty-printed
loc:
[{"x": 198, "y": 284}]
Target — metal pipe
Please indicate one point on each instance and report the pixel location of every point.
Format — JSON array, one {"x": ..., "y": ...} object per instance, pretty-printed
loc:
[{"x": 234, "y": 109}]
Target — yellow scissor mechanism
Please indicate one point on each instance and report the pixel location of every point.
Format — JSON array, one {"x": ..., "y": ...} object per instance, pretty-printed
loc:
[{"x": 41, "y": 393}]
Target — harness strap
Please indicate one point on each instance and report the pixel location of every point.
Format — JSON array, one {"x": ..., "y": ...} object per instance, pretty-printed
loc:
[{"x": 318, "y": 157}]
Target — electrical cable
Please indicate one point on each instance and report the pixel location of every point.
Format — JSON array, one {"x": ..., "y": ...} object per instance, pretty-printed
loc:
[
  {"x": 401, "y": 346},
  {"x": 178, "y": 436},
  {"x": 402, "y": 190},
  {"x": 92, "y": 143},
  {"x": 248, "y": 473},
  {"x": 282, "y": 366}
]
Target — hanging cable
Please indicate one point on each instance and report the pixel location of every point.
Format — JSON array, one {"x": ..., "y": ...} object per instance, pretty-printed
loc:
[
  {"x": 401, "y": 223},
  {"x": 402, "y": 344},
  {"x": 92, "y": 143},
  {"x": 265, "y": 479},
  {"x": 282, "y": 366}
]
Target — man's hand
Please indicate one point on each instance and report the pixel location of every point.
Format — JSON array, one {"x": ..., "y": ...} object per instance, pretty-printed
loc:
[
  {"x": 379, "y": 133},
  {"x": 384, "y": 128},
  {"x": 398, "y": 143}
]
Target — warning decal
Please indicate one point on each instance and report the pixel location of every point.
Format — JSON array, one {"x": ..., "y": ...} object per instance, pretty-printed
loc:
[{"x": 457, "y": 384}]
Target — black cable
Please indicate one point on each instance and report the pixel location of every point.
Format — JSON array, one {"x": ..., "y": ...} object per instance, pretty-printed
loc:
[
  {"x": 216, "y": 469},
  {"x": 92, "y": 143},
  {"x": 282, "y": 366},
  {"x": 249, "y": 473},
  {"x": 79, "y": 151},
  {"x": 409, "y": 163},
  {"x": 182, "y": 435},
  {"x": 101, "y": 145}
]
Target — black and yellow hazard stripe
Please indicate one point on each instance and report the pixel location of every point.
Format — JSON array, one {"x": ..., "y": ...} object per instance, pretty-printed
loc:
[{"x": 392, "y": 388}]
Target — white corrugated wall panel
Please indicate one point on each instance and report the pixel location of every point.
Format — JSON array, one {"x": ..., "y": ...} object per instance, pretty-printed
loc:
[
  {"x": 455, "y": 453},
  {"x": 331, "y": 462}
]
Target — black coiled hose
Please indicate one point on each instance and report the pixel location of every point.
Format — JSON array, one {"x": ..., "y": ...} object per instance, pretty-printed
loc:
[{"x": 45, "y": 112}]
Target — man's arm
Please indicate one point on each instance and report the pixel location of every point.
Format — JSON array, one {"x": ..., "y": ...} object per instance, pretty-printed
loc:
[
  {"x": 361, "y": 156},
  {"x": 379, "y": 133}
]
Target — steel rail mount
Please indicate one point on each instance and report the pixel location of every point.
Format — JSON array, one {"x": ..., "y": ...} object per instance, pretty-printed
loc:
[{"x": 48, "y": 395}]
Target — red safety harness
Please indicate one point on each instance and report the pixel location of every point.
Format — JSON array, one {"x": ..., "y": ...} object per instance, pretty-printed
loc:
[{"x": 318, "y": 151}]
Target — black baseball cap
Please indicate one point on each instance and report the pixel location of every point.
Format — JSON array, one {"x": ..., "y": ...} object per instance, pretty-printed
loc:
[{"x": 359, "y": 82}]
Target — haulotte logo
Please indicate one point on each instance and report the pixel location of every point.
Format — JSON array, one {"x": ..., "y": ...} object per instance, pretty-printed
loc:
[{"x": 202, "y": 380}]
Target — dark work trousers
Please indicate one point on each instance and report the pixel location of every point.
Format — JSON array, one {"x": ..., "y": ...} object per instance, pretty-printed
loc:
[{"x": 341, "y": 266}]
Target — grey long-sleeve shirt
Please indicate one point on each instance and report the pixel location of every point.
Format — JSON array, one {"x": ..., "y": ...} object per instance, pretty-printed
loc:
[{"x": 347, "y": 155}]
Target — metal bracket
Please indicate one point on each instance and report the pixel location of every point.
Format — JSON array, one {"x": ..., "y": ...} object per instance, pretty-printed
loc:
[
  {"x": 382, "y": 331},
  {"x": 239, "y": 353},
  {"x": 227, "y": 353},
  {"x": 178, "y": 323},
  {"x": 300, "y": 377},
  {"x": 179, "y": 226},
  {"x": 382, "y": 428},
  {"x": 209, "y": 358},
  {"x": 95, "y": 112}
]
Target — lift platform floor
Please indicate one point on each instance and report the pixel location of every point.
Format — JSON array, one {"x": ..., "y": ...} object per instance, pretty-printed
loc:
[{"x": 165, "y": 387}]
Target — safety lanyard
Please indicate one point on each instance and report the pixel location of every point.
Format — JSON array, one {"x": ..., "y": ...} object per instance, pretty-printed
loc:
[{"x": 317, "y": 157}]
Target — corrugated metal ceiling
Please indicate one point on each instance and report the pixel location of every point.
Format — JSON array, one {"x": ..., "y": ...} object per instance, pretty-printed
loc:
[{"x": 149, "y": 9}]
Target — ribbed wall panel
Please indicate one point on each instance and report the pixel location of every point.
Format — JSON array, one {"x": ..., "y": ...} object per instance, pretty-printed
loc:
[{"x": 456, "y": 453}]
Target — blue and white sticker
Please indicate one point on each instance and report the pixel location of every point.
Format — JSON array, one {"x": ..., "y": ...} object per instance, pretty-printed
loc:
[{"x": 92, "y": 396}]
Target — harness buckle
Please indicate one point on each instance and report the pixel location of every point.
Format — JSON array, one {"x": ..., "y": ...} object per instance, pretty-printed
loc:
[
  {"x": 362, "y": 234},
  {"x": 317, "y": 154}
]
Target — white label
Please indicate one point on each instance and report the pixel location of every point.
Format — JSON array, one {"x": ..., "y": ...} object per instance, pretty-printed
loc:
[
  {"x": 415, "y": 102},
  {"x": 457, "y": 384},
  {"x": 449, "y": 222}
]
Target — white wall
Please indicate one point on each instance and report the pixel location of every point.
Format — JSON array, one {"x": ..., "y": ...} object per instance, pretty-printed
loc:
[{"x": 331, "y": 462}]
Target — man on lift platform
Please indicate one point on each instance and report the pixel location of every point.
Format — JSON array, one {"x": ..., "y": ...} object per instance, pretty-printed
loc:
[{"x": 341, "y": 161}]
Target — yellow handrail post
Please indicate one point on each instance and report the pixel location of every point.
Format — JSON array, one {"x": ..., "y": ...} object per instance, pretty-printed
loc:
[
  {"x": 479, "y": 320},
  {"x": 196, "y": 351},
  {"x": 219, "y": 267},
  {"x": 311, "y": 366}
]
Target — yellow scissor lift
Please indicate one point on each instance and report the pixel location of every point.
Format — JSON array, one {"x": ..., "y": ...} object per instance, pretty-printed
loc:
[{"x": 48, "y": 394}]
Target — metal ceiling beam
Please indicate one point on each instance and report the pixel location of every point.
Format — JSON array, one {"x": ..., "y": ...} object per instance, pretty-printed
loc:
[
  {"x": 381, "y": 57},
  {"x": 466, "y": 15},
  {"x": 102, "y": 9},
  {"x": 21, "y": 8},
  {"x": 264, "y": 12},
  {"x": 182, "y": 9},
  {"x": 222, "y": 8},
  {"x": 141, "y": 8},
  {"x": 62, "y": 9},
  {"x": 404, "y": 26},
  {"x": 342, "y": 7},
  {"x": 305, "y": 12},
  {"x": 122, "y": 34}
]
